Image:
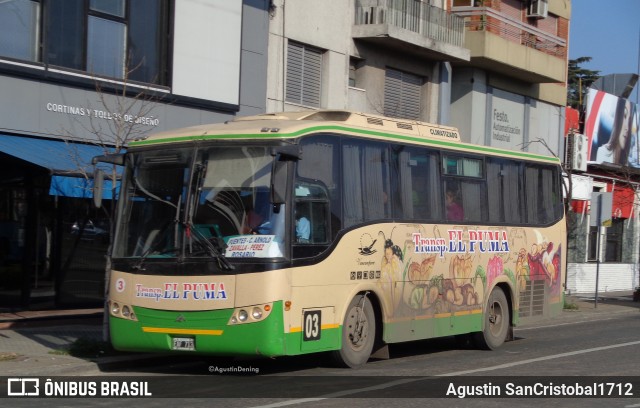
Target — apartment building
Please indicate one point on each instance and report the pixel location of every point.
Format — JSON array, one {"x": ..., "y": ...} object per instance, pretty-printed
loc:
[{"x": 495, "y": 69}]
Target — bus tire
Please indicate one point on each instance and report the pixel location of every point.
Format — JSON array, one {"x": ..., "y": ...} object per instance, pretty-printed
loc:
[
  {"x": 358, "y": 334},
  {"x": 496, "y": 321}
]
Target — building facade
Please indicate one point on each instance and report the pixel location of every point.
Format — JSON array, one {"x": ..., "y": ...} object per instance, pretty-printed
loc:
[
  {"x": 384, "y": 57},
  {"x": 494, "y": 69},
  {"x": 81, "y": 74},
  {"x": 512, "y": 93},
  {"x": 82, "y": 77}
]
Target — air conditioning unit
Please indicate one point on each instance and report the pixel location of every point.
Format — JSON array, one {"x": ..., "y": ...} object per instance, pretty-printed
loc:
[
  {"x": 577, "y": 152},
  {"x": 537, "y": 9}
]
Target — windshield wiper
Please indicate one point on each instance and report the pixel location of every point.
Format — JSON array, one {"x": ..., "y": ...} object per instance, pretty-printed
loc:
[
  {"x": 154, "y": 246},
  {"x": 212, "y": 246},
  {"x": 156, "y": 240}
]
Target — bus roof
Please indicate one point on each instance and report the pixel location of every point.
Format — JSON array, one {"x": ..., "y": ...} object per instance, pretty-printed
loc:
[{"x": 286, "y": 125}]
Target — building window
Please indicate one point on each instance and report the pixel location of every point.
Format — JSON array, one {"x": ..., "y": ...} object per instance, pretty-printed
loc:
[
  {"x": 304, "y": 73},
  {"x": 65, "y": 39},
  {"x": 592, "y": 254},
  {"x": 354, "y": 65},
  {"x": 466, "y": 3},
  {"x": 613, "y": 249},
  {"x": 113, "y": 38},
  {"x": 113, "y": 7},
  {"x": 106, "y": 43},
  {"x": 124, "y": 39},
  {"x": 106, "y": 38},
  {"x": 402, "y": 94},
  {"x": 20, "y": 29}
]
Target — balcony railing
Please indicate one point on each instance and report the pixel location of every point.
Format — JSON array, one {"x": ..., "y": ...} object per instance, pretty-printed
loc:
[
  {"x": 492, "y": 21},
  {"x": 428, "y": 21}
]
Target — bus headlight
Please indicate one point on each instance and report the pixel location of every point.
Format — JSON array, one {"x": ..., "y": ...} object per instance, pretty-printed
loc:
[
  {"x": 250, "y": 314},
  {"x": 122, "y": 311}
]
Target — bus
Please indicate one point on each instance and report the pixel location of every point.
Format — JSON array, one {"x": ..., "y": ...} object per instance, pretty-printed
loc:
[{"x": 330, "y": 231}]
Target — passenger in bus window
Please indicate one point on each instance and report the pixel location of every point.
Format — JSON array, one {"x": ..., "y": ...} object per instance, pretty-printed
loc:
[
  {"x": 303, "y": 229},
  {"x": 252, "y": 220},
  {"x": 454, "y": 209}
]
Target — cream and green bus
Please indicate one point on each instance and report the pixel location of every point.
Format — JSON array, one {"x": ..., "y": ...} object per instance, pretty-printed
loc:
[{"x": 330, "y": 231}]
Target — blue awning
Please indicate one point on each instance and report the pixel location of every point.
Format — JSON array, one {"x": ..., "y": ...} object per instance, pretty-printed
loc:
[
  {"x": 68, "y": 162},
  {"x": 79, "y": 187}
]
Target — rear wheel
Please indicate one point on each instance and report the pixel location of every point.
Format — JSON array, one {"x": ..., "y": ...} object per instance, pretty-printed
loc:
[
  {"x": 496, "y": 321},
  {"x": 358, "y": 334}
]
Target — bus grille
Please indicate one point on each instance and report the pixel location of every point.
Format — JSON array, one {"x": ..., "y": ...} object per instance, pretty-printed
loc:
[{"x": 532, "y": 299}]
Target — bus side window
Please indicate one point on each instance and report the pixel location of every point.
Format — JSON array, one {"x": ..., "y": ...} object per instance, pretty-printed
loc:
[
  {"x": 311, "y": 214},
  {"x": 414, "y": 172},
  {"x": 464, "y": 183},
  {"x": 541, "y": 194}
]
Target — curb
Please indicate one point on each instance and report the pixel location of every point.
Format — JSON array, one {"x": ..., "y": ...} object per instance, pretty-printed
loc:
[
  {"x": 143, "y": 360},
  {"x": 11, "y": 321},
  {"x": 45, "y": 321}
]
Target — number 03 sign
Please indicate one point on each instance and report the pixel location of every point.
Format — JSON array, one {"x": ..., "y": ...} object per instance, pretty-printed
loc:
[{"x": 312, "y": 324}]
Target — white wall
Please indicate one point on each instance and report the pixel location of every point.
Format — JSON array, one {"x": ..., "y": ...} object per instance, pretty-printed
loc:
[
  {"x": 207, "y": 46},
  {"x": 545, "y": 124},
  {"x": 307, "y": 22},
  {"x": 581, "y": 277}
]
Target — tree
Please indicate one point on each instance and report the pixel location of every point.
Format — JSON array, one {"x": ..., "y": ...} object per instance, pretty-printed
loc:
[
  {"x": 120, "y": 114},
  {"x": 578, "y": 81}
]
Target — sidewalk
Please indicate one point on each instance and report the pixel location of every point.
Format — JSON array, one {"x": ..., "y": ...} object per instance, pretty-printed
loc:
[
  {"x": 37, "y": 342},
  {"x": 608, "y": 304}
]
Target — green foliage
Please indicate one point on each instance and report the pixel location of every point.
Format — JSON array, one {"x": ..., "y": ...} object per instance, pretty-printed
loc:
[
  {"x": 569, "y": 305},
  {"x": 578, "y": 82}
]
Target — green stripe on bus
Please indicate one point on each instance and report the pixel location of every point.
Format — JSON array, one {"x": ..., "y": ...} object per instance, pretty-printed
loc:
[
  {"x": 407, "y": 330},
  {"x": 155, "y": 329},
  {"x": 302, "y": 132}
]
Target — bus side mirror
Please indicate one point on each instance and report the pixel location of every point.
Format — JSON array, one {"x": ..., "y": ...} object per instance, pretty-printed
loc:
[
  {"x": 279, "y": 176},
  {"x": 98, "y": 182},
  {"x": 98, "y": 174},
  {"x": 282, "y": 156}
]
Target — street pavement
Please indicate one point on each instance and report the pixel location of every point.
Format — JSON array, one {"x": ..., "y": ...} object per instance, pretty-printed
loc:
[{"x": 37, "y": 343}]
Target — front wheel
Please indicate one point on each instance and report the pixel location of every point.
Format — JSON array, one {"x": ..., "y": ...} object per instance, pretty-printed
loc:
[
  {"x": 496, "y": 321},
  {"x": 358, "y": 334}
]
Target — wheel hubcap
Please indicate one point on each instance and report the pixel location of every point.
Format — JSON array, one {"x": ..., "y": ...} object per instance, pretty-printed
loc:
[
  {"x": 495, "y": 318},
  {"x": 357, "y": 328}
]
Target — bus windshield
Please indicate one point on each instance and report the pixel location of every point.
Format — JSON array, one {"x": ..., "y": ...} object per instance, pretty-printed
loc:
[{"x": 200, "y": 203}]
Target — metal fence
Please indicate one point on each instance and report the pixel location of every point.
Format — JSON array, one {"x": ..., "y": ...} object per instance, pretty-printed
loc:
[
  {"x": 492, "y": 21},
  {"x": 428, "y": 21}
]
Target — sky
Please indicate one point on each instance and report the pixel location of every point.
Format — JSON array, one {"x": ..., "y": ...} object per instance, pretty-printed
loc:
[{"x": 608, "y": 31}]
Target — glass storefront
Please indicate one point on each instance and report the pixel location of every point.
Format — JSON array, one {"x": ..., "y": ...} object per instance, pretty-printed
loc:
[{"x": 52, "y": 248}]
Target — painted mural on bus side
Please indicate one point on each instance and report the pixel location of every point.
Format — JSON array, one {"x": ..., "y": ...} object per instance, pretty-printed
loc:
[{"x": 450, "y": 269}]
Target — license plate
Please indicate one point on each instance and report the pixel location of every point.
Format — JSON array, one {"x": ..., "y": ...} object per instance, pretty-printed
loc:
[{"x": 184, "y": 343}]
